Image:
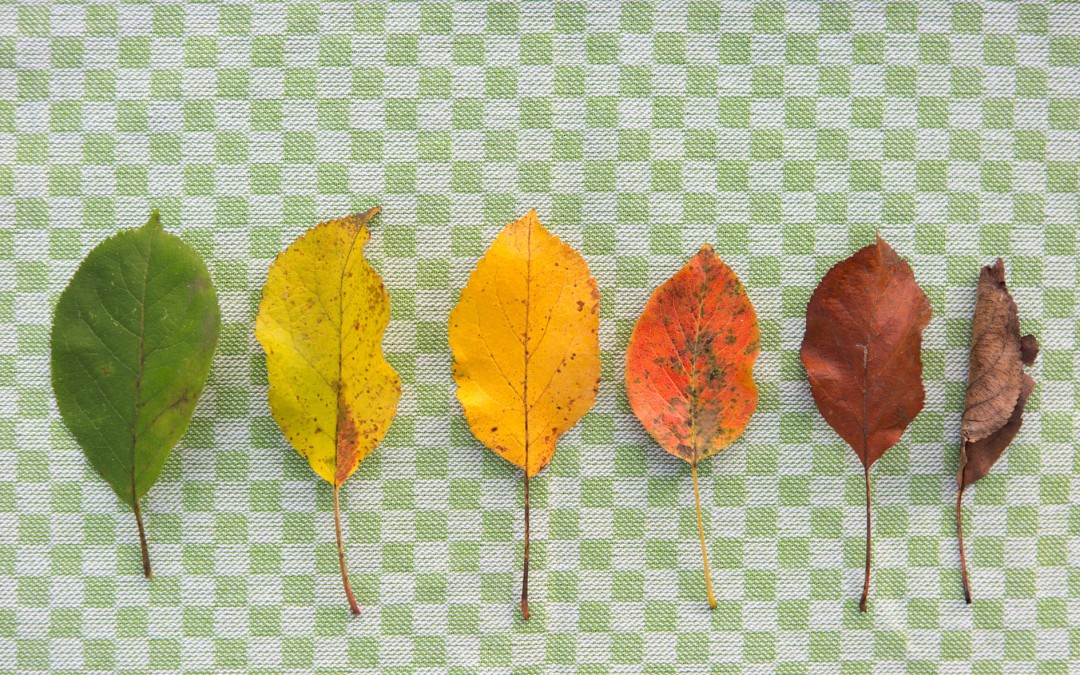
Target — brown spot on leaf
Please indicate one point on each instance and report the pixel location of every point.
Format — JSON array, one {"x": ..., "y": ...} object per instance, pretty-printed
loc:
[
  {"x": 1029, "y": 349},
  {"x": 347, "y": 456}
]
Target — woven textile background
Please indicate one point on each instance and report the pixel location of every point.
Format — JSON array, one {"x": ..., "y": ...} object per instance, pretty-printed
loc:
[{"x": 783, "y": 133}]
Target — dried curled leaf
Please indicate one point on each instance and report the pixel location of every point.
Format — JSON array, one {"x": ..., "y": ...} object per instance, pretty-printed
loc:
[
  {"x": 132, "y": 342},
  {"x": 524, "y": 335},
  {"x": 689, "y": 366},
  {"x": 863, "y": 355},
  {"x": 997, "y": 390},
  {"x": 321, "y": 321}
]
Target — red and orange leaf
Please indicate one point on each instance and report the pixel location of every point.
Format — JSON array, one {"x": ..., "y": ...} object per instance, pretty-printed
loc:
[
  {"x": 690, "y": 361},
  {"x": 689, "y": 366}
]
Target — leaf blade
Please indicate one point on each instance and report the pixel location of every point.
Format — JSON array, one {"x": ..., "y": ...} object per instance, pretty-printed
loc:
[
  {"x": 998, "y": 387},
  {"x": 529, "y": 311},
  {"x": 862, "y": 349},
  {"x": 321, "y": 320},
  {"x": 133, "y": 338},
  {"x": 690, "y": 359}
]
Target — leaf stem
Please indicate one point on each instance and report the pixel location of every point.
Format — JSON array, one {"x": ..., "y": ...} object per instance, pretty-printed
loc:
[
  {"x": 960, "y": 537},
  {"x": 149, "y": 573},
  {"x": 701, "y": 535},
  {"x": 525, "y": 572},
  {"x": 869, "y": 534},
  {"x": 341, "y": 554}
]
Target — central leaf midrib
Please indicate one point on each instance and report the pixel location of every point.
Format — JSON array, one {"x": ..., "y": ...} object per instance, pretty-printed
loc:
[
  {"x": 341, "y": 338},
  {"x": 141, "y": 366},
  {"x": 528, "y": 302},
  {"x": 693, "y": 392}
]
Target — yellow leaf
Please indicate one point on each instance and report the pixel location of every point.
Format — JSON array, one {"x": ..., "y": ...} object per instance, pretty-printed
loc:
[
  {"x": 526, "y": 351},
  {"x": 323, "y": 313}
]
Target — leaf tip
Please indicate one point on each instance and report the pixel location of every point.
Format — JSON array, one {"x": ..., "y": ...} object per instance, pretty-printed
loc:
[
  {"x": 882, "y": 245},
  {"x": 530, "y": 220},
  {"x": 361, "y": 220},
  {"x": 996, "y": 272},
  {"x": 154, "y": 223}
]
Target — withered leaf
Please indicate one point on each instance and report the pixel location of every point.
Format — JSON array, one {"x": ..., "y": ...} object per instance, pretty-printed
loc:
[
  {"x": 997, "y": 390},
  {"x": 863, "y": 355}
]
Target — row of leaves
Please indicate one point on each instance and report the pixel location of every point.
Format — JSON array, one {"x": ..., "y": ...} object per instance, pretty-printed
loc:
[{"x": 135, "y": 331}]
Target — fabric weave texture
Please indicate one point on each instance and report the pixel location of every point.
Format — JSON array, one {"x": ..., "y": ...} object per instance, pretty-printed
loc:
[{"x": 786, "y": 134}]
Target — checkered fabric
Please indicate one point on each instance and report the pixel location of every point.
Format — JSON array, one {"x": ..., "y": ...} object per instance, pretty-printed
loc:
[{"x": 784, "y": 133}]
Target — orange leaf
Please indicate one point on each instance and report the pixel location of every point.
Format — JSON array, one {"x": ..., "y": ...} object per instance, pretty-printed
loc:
[
  {"x": 689, "y": 365},
  {"x": 524, "y": 335},
  {"x": 690, "y": 360}
]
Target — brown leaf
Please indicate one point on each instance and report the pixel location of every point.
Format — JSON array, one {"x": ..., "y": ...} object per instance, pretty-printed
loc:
[
  {"x": 997, "y": 390},
  {"x": 996, "y": 365},
  {"x": 863, "y": 355}
]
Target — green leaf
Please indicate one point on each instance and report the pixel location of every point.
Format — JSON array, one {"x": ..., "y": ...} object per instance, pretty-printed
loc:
[{"x": 132, "y": 340}]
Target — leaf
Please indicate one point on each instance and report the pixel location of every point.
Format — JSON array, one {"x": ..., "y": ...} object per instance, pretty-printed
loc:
[
  {"x": 863, "y": 355},
  {"x": 321, "y": 321},
  {"x": 524, "y": 335},
  {"x": 689, "y": 366},
  {"x": 133, "y": 336},
  {"x": 997, "y": 390}
]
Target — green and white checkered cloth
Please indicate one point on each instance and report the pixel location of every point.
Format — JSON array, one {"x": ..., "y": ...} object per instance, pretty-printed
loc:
[{"x": 785, "y": 134}]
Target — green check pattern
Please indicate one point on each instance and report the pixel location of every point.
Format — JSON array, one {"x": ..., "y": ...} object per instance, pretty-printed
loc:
[{"x": 785, "y": 134}]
